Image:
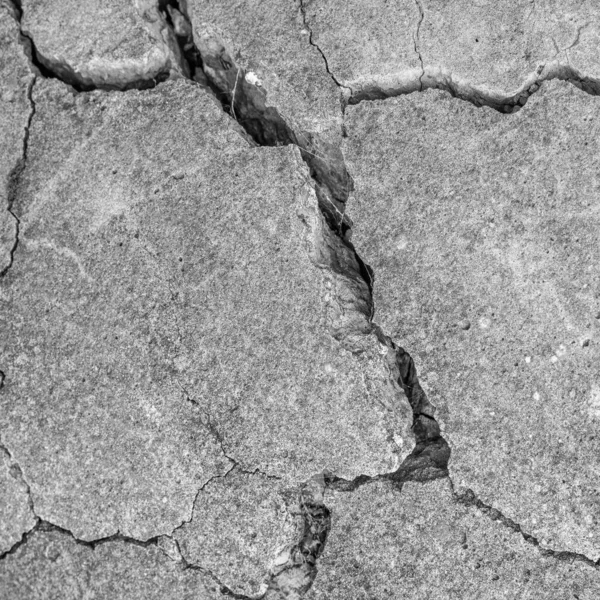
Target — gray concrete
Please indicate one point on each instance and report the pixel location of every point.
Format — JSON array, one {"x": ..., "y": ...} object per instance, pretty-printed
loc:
[
  {"x": 483, "y": 232},
  {"x": 232, "y": 313}
]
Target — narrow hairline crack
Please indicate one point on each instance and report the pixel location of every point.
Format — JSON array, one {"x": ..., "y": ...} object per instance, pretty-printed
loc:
[
  {"x": 416, "y": 41},
  {"x": 14, "y": 178}
]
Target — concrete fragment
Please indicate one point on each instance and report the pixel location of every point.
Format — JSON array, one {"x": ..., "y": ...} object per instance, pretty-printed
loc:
[
  {"x": 53, "y": 565},
  {"x": 107, "y": 44},
  {"x": 241, "y": 523},
  {"x": 420, "y": 543},
  {"x": 468, "y": 214},
  {"x": 150, "y": 320},
  {"x": 14, "y": 113}
]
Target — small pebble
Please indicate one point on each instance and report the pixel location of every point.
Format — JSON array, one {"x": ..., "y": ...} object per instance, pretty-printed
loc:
[
  {"x": 464, "y": 324},
  {"x": 554, "y": 359},
  {"x": 585, "y": 343}
]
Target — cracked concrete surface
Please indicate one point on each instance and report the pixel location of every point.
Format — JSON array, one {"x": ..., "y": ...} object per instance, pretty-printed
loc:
[{"x": 250, "y": 302}]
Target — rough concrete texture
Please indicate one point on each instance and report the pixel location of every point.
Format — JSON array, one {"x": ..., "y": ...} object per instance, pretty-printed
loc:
[
  {"x": 16, "y": 516},
  {"x": 413, "y": 44},
  {"x": 421, "y": 543},
  {"x": 269, "y": 39},
  {"x": 51, "y": 565},
  {"x": 482, "y": 230},
  {"x": 249, "y": 301},
  {"x": 102, "y": 43},
  {"x": 241, "y": 523},
  {"x": 15, "y": 109},
  {"x": 129, "y": 362}
]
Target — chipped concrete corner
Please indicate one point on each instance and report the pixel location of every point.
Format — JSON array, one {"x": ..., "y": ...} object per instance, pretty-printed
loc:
[{"x": 299, "y": 300}]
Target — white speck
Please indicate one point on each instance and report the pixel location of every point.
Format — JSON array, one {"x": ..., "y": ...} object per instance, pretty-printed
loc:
[
  {"x": 492, "y": 413},
  {"x": 484, "y": 323},
  {"x": 383, "y": 349},
  {"x": 528, "y": 359},
  {"x": 328, "y": 368},
  {"x": 402, "y": 243},
  {"x": 536, "y": 396},
  {"x": 164, "y": 499},
  {"x": 562, "y": 349},
  {"x": 554, "y": 359},
  {"x": 399, "y": 441},
  {"x": 252, "y": 79}
]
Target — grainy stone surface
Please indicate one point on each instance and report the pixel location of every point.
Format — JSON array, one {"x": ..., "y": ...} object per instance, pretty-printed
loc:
[
  {"x": 16, "y": 516},
  {"x": 419, "y": 543},
  {"x": 365, "y": 40},
  {"x": 190, "y": 373},
  {"x": 467, "y": 215},
  {"x": 52, "y": 566},
  {"x": 14, "y": 108},
  {"x": 99, "y": 42},
  {"x": 151, "y": 301},
  {"x": 241, "y": 522}
]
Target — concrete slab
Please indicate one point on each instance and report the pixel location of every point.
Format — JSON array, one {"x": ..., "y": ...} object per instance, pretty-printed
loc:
[
  {"x": 241, "y": 523},
  {"x": 482, "y": 230},
  {"x": 420, "y": 543},
  {"x": 150, "y": 321},
  {"x": 51, "y": 565},
  {"x": 109, "y": 44}
]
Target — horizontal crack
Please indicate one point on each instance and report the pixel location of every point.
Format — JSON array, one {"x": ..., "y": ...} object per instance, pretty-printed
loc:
[{"x": 417, "y": 80}]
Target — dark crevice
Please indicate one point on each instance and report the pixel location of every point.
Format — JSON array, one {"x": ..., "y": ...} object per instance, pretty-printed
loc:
[
  {"x": 14, "y": 178},
  {"x": 467, "y": 497},
  {"x": 48, "y": 69},
  {"x": 246, "y": 102},
  {"x": 407, "y": 82}
]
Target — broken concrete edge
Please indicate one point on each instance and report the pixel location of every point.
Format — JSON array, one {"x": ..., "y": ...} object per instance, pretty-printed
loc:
[
  {"x": 467, "y": 497},
  {"x": 156, "y": 21},
  {"x": 434, "y": 77},
  {"x": 13, "y": 182}
]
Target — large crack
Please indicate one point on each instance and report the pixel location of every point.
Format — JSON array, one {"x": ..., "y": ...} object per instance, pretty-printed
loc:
[
  {"x": 246, "y": 103},
  {"x": 207, "y": 62},
  {"x": 429, "y": 77}
]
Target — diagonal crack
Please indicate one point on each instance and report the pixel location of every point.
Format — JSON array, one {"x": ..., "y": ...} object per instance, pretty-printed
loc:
[{"x": 467, "y": 497}]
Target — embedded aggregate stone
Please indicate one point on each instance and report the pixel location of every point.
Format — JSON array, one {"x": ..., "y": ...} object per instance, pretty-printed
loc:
[
  {"x": 51, "y": 565},
  {"x": 420, "y": 543},
  {"x": 99, "y": 43},
  {"x": 241, "y": 523},
  {"x": 164, "y": 308},
  {"x": 14, "y": 113},
  {"x": 470, "y": 216}
]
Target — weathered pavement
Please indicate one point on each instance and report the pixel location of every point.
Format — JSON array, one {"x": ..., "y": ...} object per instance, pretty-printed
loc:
[{"x": 299, "y": 300}]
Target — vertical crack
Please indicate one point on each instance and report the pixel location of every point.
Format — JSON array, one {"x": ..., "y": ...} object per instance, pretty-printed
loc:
[
  {"x": 14, "y": 178},
  {"x": 416, "y": 41}
]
